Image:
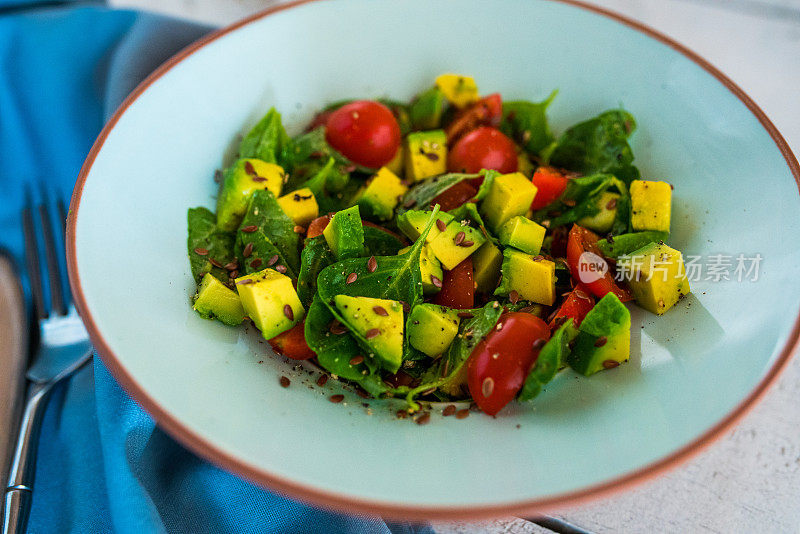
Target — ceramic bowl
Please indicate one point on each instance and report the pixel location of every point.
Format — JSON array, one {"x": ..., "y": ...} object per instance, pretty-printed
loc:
[{"x": 692, "y": 372}]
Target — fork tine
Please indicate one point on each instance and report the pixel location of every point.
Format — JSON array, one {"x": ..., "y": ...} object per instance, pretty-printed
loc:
[
  {"x": 32, "y": 256},
  {"x": 51, "y": 254}
]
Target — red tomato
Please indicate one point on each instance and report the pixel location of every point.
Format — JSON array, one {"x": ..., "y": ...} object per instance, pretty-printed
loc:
[
  {"x": 292, "y": 343},
  {"x": 458, "y": 287},
  {"x": 550, "y": 184},
  {"x": 576, "y": 306},
  {"x": 455, "y": 196},
  {"x": 318, "y": 226},
  {"x": 365, "y": 132},
  {"x": 500, "y": 363},
  {"x": 599, "y": 283},
  {"x": 488, "y": 111},
  {"x": 484, "y": 148}
]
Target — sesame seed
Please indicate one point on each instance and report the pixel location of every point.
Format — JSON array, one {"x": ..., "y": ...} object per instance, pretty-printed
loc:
[
  {"x": 285, "y": 382},
  {"x": 380, "y": 310},
  {"x": 336, "y": 399},
  {"x": 352, "y": 277},
  {"x": 487, "y": 387},
  {"x": 288, "y": 312},
  {"x": 201, "y": 251},
  {"x": 249, "y": 229}
]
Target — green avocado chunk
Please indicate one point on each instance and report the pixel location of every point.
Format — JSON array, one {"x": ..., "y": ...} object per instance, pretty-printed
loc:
[
  {"x": 215, "y": 301},
  {"x": 380, "y": 323},
  {"x": 604, "y": 337},
  {"x": 432, "y": 328},
  {"x": 602, "y": 221},
  {"x": 522, "y": 233},
  {"x": 240, "y": 181},
  {"x": 620, "y": 245},
  {"x": 426, "y": 110},
  {"x": 345, "y": 233},
  {"x": 413, "y": 222},
  {"x": 456, "y": 243}
]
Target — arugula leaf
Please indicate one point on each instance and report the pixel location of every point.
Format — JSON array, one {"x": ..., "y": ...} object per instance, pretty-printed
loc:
[
  {"x": 599, "y": 145},
  {"x": 204, "y": 234},
  {"x": 623, "y": 244},
  {"x": 267, "y": 140},
  {"x": 274, "y": 234},
  {"x": 580, "y": 199},
  {"x": 550, "y": 360},
  {"x": 526, "y": 122}
]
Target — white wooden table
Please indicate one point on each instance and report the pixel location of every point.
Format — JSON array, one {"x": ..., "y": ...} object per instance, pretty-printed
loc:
[{"x": 749, "y": 481}]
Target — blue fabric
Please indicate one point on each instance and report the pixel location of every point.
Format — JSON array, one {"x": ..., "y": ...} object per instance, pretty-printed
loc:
[{"x": 103, "y": 465}]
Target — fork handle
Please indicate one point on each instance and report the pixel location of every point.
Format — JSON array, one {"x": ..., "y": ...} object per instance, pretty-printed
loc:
[{"x": 17, "y": 502}]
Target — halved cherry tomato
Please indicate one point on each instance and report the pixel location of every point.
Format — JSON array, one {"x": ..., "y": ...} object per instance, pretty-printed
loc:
[
  {"x": 550, "y": 184},
  {"x": 292, "y": 343},
  {"x": 488, "y": 111},
  {"x": 455, "y": 196},
  {"x": 577, "y": 304},
  {"x": 318, "y": 226},
  {"x": 365, "y": 132},
  {"x": 594, "y": 274},
  {"x": 483, "y": 148},
  {"x": 458, "y": 287},
  {"x": 500, "y": 363}
]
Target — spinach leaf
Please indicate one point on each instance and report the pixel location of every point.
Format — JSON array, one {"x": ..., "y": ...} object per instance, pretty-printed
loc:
[
  {"x": 623, "y": 244},
  {"x": 267, "y": 140},
  {"x": 526, "y": 122},
  {"x": 380, "y": 243},
  {"x": 488, "y": 179},
  {"x": 316, "y": 256},
  {"x": 550, "y": 360},
  {"x": 334, "y": 351},
  {"x": 204, "y": 234},
  {"x": 580, "y": 199},
  {"x": 469, "y": 212},
  {"x": 274, "y": 234},
  {"x": 599, "y": 145}
]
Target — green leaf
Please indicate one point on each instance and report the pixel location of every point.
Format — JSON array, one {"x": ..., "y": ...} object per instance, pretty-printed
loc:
[
  {"x": 203, "y": 233},
  {"x": 549, "y": 361},
  {"x": 423, "y": 193},
  {"x": 380, "y": 243},
  {"x": 316, "y": 256},
  {"x": 488, "y": 179},
  {"x": 334, "y": 351},
  {"x": 274, "y": 235},
  {"x": 580, "y": 200},
  {"x": 469, "y": 211},
  {"x": 526, "y": 122},
  {"x": 426, "y": 109},
  {"x": 599, "y": 145},
  {"x": 267, "y": 140},
  {"x": 623, "y": 244}
]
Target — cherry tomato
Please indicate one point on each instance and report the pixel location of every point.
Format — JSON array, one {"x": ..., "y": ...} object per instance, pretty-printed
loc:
[
  {"x": 365, "y": 132},
  {"x": 318, "y": 226},
  {"x": 458, "y": 287},
  {"x": 550, "y": 184},
  {"x": 292, "y": 343},
  {"x": 577, "y": 304},
  {"x": 488, "y": 111},
  {"x": 500, "y": 363},
  {"x": 455, "y": 196},
  {"x": 484, "y": 148},
  {"x": 594, "y": 274}
]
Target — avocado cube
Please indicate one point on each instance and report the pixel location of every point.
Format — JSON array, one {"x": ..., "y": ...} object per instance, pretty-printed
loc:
[
  {"x": 216, "y": 301},
  {"x": 533, "y": 278},
  {"x": 270, "y": 300},
  {"x": 432, "y": 328},
  {"x": 602, "y": 221},
  {"x": 651, "y": 205},
  {"x": 509, "y": 195},
  {"x": 396, "y": 163},
  {"x": 426, "y": 109},
  {"x": 240, "y": 181},
  {"x": 460, "y": 90},
  {"x": 301, "y": 206},
  {"x": 656, "y": 275},
  {"x": 380, "y": 322},
  {"x": 486, "y": 263},
  {"x": 425, "y": 155},
  {"x": 412, "y": 223},
  {"x": 604, "y": 337},
  {"x": 429, "y": 268},
  {"x": 522, "y": 233},
  {"x": 381, "y": 195},
  {"x": 451, "y": 247},
  {"x": 345, "y": 233}
]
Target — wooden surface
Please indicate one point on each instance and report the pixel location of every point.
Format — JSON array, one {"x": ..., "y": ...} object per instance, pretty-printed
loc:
[{"x": 749, "y": 481}]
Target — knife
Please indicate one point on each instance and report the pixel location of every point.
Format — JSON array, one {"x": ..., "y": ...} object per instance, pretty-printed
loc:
[{"x": 13, "y": 357}]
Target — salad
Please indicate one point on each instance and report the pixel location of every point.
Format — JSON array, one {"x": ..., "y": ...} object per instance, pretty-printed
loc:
[{"x": 447, "y": 249}]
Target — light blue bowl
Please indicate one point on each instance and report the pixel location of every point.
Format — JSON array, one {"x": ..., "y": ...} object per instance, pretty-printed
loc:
[{"x": 691, "y": 374}]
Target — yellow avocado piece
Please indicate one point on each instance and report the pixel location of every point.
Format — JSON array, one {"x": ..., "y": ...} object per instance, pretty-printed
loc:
[
  {"x": 432, "y": 328},
  {"x": 301, "y": 206},
  {"x": 461, "y": 91},
  {"x": 429, "y": 267},
  {"x": 381, "y": 195},
  {"x": 602, "y": 221},
  {"x": 425, "y": 154},
  {"x": 486, "y": 263},
  {"x": 509, "y": 195},
  {"x": 396, "y": 163},
  {"x": 656, "y": 275},
  {"x": 449, "y": 253},
  {"x": 216, "y": 301},
  {"x": 265, "y": 295},
  {"x": 240, "y": 181},
  {"x": 522, "y": 233},
  {"x": 367, "y": 315},
  {"x": 651, "y": 205},
  {"x": 533, "y": 278}
]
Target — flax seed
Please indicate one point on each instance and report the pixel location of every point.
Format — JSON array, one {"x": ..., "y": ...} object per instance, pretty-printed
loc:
[
  {"x": 460, "y": 236},
  {"x": 256, "y": 263},
  {"x": 272, "y": 261},
  {"x": 322, "y": 380},
  {"x": 610, "y": 364},
  {"x": 380, "y": 310},
  {"x": 201, "y": 251},
  {"x": 449, "y": 410},
  {"x": 288, "y": 312},
  {"x": 355, "y": 360},
  {"x": 513, "y": 296},
  {"x": 285, "y": 382},
  {"x": 423, "y": 419},
  {"x": 280, "y": 268},
  {"x": 372, "y": 264},
  {"x": 352, "y": 277},
  {"x": 436, "y": 282},
  {"x": 372, "y": 333},
  {"x": 249, "y": 229},
  {"x": 602, "y": 340},
  {"x": 462, "y": 414},
  {"x": 336, "y": 399},
  {"x": 487, "y": 387},
  {"x": 248, "y": 249},
  {"x": 440, "y": 224}
]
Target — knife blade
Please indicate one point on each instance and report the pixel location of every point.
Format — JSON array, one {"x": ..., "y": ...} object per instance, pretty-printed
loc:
[{"x": 13, "y": 357}]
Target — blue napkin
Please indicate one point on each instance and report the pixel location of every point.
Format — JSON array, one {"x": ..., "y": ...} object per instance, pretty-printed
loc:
[{"x": 103, "y": 465}]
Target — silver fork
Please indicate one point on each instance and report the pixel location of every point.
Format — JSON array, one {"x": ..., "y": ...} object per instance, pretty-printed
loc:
[{"x": 63, "y": 349}]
